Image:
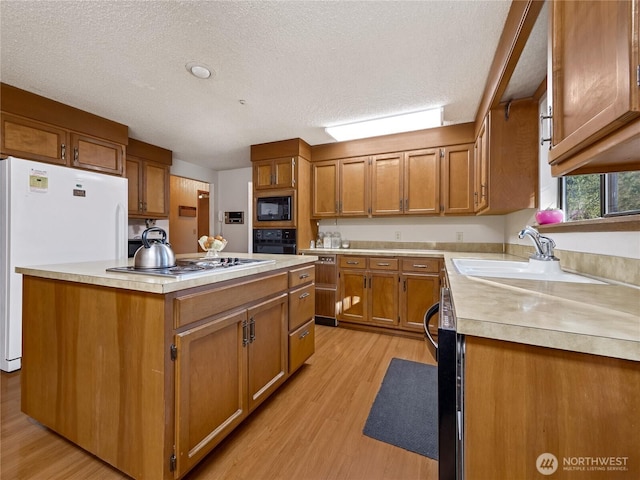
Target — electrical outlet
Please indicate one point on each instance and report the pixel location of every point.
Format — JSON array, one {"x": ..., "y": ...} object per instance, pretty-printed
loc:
[
  {"x": 397, "y": 235},
  {"x": 459, "y": 237}
]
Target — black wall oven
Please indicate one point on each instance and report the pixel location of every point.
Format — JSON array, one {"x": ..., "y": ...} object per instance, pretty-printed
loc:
[
  {"x": 274, "y": 240},
  {"x": 449, "y": 353}
]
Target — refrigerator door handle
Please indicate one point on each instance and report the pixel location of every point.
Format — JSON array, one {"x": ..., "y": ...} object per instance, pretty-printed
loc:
[{"x": 121, "y": 231}]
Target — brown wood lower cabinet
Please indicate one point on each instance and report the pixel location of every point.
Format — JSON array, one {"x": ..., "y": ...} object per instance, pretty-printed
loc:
[
  {"x": 211, "y": 354},
  {"x": 389, "y": 292},
  {"x": 522, "y": 401},
  {"x": 368, "y": 290},
  {"x": 420, "y": 288},
  {"x": 151, "y": 383}
]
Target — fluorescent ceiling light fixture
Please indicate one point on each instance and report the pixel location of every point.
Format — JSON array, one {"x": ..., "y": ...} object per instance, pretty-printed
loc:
[{"x": 385, "y": 126}]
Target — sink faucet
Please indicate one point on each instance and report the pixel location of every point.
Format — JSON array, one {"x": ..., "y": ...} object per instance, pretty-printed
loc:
[{"x": 544, "y": 245}]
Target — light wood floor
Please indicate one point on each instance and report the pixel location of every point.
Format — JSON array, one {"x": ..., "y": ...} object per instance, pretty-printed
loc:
[{"x": 311, "y": 429}]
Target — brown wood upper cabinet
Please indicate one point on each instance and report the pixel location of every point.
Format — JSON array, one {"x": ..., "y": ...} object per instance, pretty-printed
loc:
[
  {"x": 387, "y": 184},
  {"x": 34, "y": 140},
  {"x": 405, "y": 183},
  {"x": 595, "y": 87},
  {"x": 41, "y": 129},
  {"x": 148, "y": 171},
  {"x": 506, "y": 159},
  {"x": 275, "y": 173},
  {"x": 457, "y": 180}
]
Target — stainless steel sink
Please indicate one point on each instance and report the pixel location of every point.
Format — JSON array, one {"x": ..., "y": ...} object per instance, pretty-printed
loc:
[{"x": 549, "y": 271}]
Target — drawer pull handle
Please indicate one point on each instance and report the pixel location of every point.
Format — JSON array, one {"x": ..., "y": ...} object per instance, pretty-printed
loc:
[
  {"x": 416, "y": 265},
  {"x": 304, "y": 334},
  {"x": 304, "y": 295},
  {"x": 383, "y": 264},
  {"x": 303, "y": 275},
  {"x": 353, "y": 262}
]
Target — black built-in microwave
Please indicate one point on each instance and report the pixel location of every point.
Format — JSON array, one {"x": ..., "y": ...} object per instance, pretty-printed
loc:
[{"x": 274, "y": 209}]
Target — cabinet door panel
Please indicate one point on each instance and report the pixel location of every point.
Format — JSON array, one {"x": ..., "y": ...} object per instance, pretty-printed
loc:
[
  {"x": 284, "y": 172},
  {"x": 94, "y": 154},
  {"x": 31, "y": 140},
  {"x": 458, "y": 179},
  {"x": 386, "y": 184},
  {"x": 211, "y": 397},
  {"x": 353, "y": 290},
  {"x": 481, "y": 159},
  {"x": 383, "y": 290},
  {"x": 263, "y": 174},
  {"x": 594, "y": 61},
  {"x": 354, "y": 186},
  {"x": 156, "y": 179},
  {"x": 419, "y": 292},
  {"x": 267, "y": 348},
  {"x": 135, "y": 186},
  {"x": 325, "y": 189},
  {"x": 422, "y": 181}
]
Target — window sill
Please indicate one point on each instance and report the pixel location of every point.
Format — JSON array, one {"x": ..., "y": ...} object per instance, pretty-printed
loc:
[{"x": 630, "y": 223}]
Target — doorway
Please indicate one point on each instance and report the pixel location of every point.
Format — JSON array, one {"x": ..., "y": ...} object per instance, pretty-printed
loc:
[
  {"x": 189, "y": 213},
  {"x": 203, "y": 213}
]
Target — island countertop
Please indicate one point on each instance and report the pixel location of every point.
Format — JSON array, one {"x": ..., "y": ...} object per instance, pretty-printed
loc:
[{"x": 95, "y": 273}]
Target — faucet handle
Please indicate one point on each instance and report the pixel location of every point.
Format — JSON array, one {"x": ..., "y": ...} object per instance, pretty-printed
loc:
[{"x": 547, "y": 245}]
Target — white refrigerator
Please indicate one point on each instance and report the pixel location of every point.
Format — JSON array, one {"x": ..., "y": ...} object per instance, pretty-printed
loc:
[{"x": 52, "y": 214}]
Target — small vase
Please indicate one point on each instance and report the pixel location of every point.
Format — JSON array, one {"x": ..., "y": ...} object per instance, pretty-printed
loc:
[{"x": 544, "y": 217}]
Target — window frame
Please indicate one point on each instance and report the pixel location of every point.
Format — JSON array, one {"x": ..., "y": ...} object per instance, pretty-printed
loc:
[{"x": 604, "y": 199}]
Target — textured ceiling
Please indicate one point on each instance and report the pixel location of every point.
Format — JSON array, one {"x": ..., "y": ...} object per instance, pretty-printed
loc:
[{"x": 298, "y": 66}]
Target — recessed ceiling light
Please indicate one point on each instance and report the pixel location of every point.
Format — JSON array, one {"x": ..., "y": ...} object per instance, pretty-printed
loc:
[
  {"x": 387, "y": 125},
  {"x": 198, "y": 70}
]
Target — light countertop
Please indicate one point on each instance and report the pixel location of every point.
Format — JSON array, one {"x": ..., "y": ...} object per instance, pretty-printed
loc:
[
  {"x": 581, "y": 317},
  {"x": 95, "y": 273},
  {"x": 589, "y": 318}
]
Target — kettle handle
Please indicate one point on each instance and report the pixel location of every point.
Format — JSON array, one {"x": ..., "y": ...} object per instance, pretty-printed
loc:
[{"x": 145, "y": 242}]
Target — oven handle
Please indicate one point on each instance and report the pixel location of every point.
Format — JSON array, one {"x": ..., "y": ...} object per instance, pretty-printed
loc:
[{"x": 433, "y": 309}]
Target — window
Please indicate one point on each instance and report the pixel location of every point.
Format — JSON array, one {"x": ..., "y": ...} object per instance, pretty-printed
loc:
[{"x": 594, "y": 196}]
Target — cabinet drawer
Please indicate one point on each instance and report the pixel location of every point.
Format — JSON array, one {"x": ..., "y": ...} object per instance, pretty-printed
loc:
[
  {"x": 302, "y": 303},
  {"x": 380, "y": 263},
  {"x": 302, "y": 344},
  {"x": 348, "y": 261},
  {"x": 301, "y": 276},
  {"x": 421, "y": 265},
  {"x": 198, "y": 306}
]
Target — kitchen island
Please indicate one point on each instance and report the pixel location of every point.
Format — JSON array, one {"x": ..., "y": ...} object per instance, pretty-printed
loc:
[{"x": 149, "y": 373}]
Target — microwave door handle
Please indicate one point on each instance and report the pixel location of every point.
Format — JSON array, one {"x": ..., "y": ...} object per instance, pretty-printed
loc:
[{"x": 430, "y": 315}]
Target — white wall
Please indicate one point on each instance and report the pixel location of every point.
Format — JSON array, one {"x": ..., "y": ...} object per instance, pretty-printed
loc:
[
  {"x": 488, "y": 229},
  {"x": 234, "y": 194}
]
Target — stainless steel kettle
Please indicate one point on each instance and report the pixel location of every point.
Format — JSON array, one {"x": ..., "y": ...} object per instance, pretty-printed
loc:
[{"x": 157, "y": 254}]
